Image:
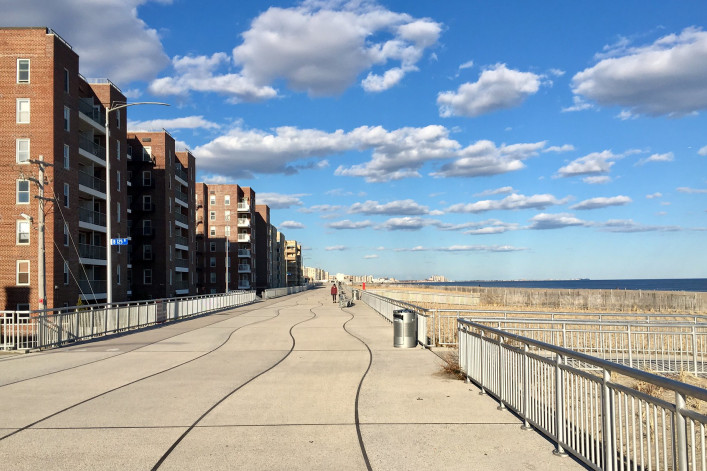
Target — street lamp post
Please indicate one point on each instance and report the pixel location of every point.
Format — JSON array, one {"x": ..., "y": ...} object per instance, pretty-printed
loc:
[{"x": 109, "y": 258}]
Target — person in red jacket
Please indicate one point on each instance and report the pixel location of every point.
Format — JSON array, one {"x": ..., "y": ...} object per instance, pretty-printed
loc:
[{"x": 333, "y": 291}]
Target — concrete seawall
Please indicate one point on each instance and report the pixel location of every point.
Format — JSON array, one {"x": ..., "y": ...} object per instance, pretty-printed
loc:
[{"x": 594, "y": 300}]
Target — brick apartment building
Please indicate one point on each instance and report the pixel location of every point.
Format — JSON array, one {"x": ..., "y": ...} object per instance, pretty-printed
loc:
[
  {"x": 225, "y": 226},
  {"x": 162, "y": 211},
  {"x": 59, "y": 116},
  {"x": 181, "y": 232},
  {"x": 293, "y": 257},
  {"x": 263, "y": 249}
]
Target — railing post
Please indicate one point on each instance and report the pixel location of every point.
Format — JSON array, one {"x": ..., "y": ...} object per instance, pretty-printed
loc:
[
  {"x": 559, "y": 407},
  {"x": 501, "y": 388},
  {"x": 694, "y": 349},
  {"x": 630, "y": 347},
  {"x": 607, "y": 432},
  {"x": 482, "y": 392},
  {"x": 680, "y": 433},
  {"x": 526, "y": 390}
]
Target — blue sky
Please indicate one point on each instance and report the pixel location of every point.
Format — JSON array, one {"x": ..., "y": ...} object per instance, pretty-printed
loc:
[{"x": 477, "y": 140}]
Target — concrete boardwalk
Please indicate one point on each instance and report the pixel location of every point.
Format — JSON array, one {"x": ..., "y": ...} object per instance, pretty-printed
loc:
[{"x": 288, "y": 384}]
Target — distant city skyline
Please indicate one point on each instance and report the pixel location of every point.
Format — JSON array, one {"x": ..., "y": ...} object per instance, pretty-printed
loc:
[{"x": 478, "y": 140}]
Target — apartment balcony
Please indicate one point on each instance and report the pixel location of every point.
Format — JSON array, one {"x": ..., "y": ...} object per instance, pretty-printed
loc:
[
  {"x": 92, "y": 217},
  {"x": 243, "y": 284},
  {"x": 180, "y": 240},
  {"x": 243, "y": 268},
  {"x": 181, "y": 197},
  {"x": 182, "y": 218},
  {"x": 91, "y": 287},
  {"x": 94, "y": 252},
  {"x": 243, "y": 237},
  {"x": 181, "y": 263},
  {"x": 243, "y": 253},
  {"x": 181, "y": 285},
  {"x": 242, "y": 222},
  {"x": 94, "y": 183},
  {"x": 87, "y": 144},
  {"x": 90, "y": 110},
  {"x": 244, "y": 207},
  {"x": 182, "y": 174}
]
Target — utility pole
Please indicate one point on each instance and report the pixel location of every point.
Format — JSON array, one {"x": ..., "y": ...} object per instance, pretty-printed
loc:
[
  {"x": 41, "y": 248},
  {"x": 228, "y": 262}
]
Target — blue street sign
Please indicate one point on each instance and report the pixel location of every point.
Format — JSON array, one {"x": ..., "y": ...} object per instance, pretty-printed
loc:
[{"x": 119, "y": 241}]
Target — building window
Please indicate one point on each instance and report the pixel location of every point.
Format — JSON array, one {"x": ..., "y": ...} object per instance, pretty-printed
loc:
[
  {"x": 146, "y": 202},
  {"x": 147, "y": 227},
  {"x": 118, "y": 216},
  {"x": 146, "y": 178},
  {"x": 66, "y": 195},
  {"x": 22, "y": 192},
  {"x": 22, "y": 151},
  {"x": 146, "y": 154},
  {"x": 212, "y": 215},
  {"x": 117, "y": 124},
  {"x": 66, "y": 156},
  {"x": 227, "y": 200},
  {"x": 117, "y": 146},
  {"x": 66, "y": 235},
  {"x": 22, "y": 232},
  {"x": 228, "y": 215},
  {"x": 147, "y": 276},
  {"x": 117, "y": 274},
  {"x": 147, "y": 252},
  {"x": 22, "y": 273},
  {"x": 66, "y": 272},
  {"x": 117, "y": 184},
  {"x": 212, "y": 199},
  {"x": 23, "y": 110},
  {"x": 67, "y": 116},
  {"x": 227, "y": 231},
  {"x": 213, "y": 277},
  {"x": 66, "y": 80},
  {"x": 212, "y": 246},
  {"x": 212, "y": 231},
  {"x": 212, "y": 262},
  {"x": 22, "y": 70}
]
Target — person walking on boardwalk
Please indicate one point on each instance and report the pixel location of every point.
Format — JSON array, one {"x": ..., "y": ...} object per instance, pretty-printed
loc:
[{"x": 333, "y": 291}]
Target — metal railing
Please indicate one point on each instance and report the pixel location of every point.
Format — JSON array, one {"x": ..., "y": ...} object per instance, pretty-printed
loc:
[
  {"x": 91, "y": 147},
  {"x": 57, "y": 327},
  {"x": 90, "y": 181},
  {"x": 586, "y": 405},
  {"x": 662, "y": 343},
  {"x": 278, "y": 292},
  {"x": 183, "y": 218},
  {"x": 92, "y": 217},
  {"x": 96, "y": 252}
]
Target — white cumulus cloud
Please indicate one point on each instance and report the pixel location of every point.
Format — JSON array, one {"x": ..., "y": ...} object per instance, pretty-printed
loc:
[
  {"x": 108, "y": 35},
  {"x": 510, "y": 202},
  {"x": 498, "y": 88},
  {"x": 317, "y": 47},
  {"x": 602, "y": 202},
  {"x": 403, "y": 207},
  {"x": 596, "y": 163},
  {"x": 666, "y": 77}
]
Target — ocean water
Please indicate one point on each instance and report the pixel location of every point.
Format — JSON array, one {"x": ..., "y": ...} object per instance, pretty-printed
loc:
[{"x": 674, "y": 284}]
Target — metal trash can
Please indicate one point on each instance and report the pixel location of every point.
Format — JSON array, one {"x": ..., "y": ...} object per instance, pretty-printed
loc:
[{"x": 404, "y": 329}]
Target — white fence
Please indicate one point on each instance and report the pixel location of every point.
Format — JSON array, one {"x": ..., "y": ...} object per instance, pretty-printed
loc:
[
  {"x": 580, "y": 402},
  {"x": 278, "y": 292},
  {"x": 53, "y": 328},
  {"x": 590, "y": 407}
]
